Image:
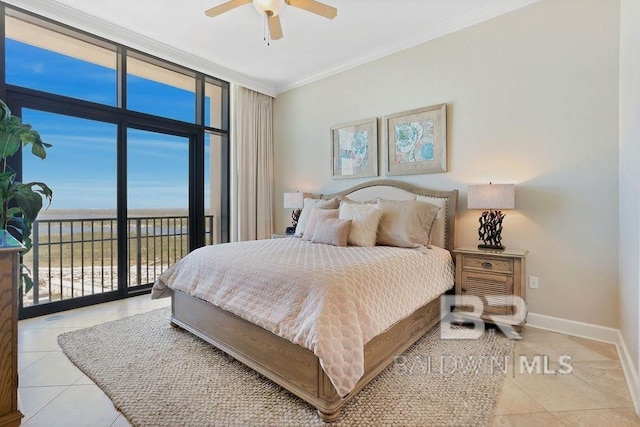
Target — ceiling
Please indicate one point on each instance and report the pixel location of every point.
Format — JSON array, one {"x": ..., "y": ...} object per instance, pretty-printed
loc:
[{"x": 232, "y": 47}]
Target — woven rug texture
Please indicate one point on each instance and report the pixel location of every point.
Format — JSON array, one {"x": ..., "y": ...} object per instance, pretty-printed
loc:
[{"x": 157, "y": 375}]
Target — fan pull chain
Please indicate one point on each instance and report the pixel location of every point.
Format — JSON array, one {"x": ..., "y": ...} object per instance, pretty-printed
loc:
[{"x": 267, "y": 34}]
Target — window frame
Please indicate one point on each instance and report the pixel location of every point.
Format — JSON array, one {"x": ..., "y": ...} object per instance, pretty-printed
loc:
[{"x": 20, "y": 97}]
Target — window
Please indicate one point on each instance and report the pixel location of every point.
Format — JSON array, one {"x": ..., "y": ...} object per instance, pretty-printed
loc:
[
  {"x": 127, "y": 186},
  {"x": 50, "y": 61},
  {"x": 160, "y": 91},
  {"x": 213, "y": 105}
]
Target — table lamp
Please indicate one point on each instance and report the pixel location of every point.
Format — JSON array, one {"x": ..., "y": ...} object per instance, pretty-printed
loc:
[
  {"x": 293, "y": 201},
  {"x": 492, "y": 197}
]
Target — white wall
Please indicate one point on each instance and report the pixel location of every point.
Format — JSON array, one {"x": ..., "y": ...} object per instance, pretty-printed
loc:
[
  {"x": 630, "y": 176},
  {"x": 533, "y": 100}
]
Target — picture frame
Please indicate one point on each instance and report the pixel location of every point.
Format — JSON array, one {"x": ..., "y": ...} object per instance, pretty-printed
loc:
[
  {"x": 416, "y": 141},
  {"x": 354, "y": 149}
]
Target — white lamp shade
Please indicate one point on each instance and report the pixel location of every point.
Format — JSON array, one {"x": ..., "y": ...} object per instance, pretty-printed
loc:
[
  {"x": 293, "y": 200},
  {"x": 274, "y": 6},
  {"x": 492, "y": 196}
]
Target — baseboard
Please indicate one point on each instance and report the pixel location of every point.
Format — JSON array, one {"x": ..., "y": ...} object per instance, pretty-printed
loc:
[
  {"x": 572, "y": 327},
  {"x": 598, "y": 333},
  {"x": 630, "y": 373}
]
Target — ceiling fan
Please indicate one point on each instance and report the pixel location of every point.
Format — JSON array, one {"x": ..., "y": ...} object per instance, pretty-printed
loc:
[{"x": 270, "y": 9}]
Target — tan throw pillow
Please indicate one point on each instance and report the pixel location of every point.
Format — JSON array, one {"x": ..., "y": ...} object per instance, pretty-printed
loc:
[
  {"x": 316, "y": 216},
  {"x": 346, "y": 199},
  {"x": 438, "y": 229},
  {"x": 332, "y": 232},
  {"x": 364, "y": 222},
  {"x": 308, "y": 206},
  {"x": 406, "y": 224}
]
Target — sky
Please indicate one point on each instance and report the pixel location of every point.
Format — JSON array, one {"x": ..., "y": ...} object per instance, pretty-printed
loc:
[{"x": 81, "y": 165}]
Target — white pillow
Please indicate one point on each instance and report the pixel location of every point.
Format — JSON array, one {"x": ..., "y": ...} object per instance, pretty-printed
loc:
[
  {"x": 364, "y": 222},
  {"x": 316, "y": 216},
  {"x": 308, "y": 206},
  {"x": 332, "y": 232},
  {"x": 407, "y": 223}
]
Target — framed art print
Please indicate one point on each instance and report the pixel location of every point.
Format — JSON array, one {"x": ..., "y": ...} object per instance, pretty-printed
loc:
[
  {"x": 354, "y": 149},
  {"x": 417, "y": 141}
]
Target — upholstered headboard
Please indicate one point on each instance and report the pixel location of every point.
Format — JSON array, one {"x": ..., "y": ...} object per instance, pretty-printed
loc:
[{"x": 444, "y": 227}]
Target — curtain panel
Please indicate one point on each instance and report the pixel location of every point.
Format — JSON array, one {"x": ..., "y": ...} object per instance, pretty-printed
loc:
[{"x": 254, "y": 139}]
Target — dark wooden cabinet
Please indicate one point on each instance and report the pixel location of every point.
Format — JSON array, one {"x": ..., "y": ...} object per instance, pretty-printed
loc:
[{"x": 9, "y": 413}]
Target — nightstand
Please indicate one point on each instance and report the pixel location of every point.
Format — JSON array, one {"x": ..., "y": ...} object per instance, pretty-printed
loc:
[
  {"x": 282, "y": 236},
  {"x": 497, "y": 274}
]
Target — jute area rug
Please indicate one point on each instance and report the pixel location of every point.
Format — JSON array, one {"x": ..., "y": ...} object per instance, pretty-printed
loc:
[{"x": 160, "y": 376}]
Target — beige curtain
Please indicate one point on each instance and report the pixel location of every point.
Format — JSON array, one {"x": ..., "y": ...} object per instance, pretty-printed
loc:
[{"x": 254, "y": 142}]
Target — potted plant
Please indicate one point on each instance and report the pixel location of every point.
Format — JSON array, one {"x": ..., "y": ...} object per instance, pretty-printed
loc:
[{"x": 20, "y": 202}]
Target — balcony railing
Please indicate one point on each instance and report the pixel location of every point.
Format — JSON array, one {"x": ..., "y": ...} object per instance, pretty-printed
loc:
[{"x": 75, "y": 257}]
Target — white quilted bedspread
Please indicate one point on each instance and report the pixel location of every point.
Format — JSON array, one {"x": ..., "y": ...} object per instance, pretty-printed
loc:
[{"x": 330, "y": 300}]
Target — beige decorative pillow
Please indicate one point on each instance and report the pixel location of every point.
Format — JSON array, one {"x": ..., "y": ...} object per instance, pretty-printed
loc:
[
  {"x": 438, "y": 230},
  {"x": 346, "y": 199},
  {"x": 407, "y": 223},
  {"x": 308, "y": 206},
  {"x": 332, "y": 232},
  {"x": 364, "y": 226},
  {"x": 316, "y": 216}
]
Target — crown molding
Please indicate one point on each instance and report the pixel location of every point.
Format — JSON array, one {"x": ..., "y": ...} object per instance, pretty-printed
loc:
[
  {"x": 107, "y": 30},
  {"x": 415, "y": 40},
  {"x": 94, "y": 25}
]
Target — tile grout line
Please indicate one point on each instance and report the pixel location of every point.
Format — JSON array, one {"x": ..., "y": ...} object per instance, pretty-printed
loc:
[{"x": 25, "y": 419}]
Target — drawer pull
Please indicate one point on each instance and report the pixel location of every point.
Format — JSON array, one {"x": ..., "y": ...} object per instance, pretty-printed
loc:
[
  {"x": 487, "y": 265},
  {"x": 464, "y": 289}
]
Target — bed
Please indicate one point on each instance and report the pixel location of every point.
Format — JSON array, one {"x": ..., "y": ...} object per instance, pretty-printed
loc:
[{"x": 288, "y": 350}]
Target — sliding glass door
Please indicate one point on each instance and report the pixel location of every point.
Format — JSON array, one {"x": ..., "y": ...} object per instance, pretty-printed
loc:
[
  {"x": 158, "y": 203},
  {"x": 74, "y": 240},
  {"x": 139, "y": 165}
]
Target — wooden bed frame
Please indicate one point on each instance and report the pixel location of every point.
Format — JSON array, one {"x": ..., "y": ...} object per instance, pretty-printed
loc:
[{"x": 293, "y": 367}]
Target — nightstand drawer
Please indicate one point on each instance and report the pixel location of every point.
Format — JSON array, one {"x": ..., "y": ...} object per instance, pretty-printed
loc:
[
  {"x": 484, "y": 263},
  {"x": 498, "y": 286}
]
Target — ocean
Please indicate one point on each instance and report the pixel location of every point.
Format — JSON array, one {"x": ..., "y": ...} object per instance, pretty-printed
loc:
[
  {"x": 62, "y": 222},
  {"x": 78, "y": 214}
]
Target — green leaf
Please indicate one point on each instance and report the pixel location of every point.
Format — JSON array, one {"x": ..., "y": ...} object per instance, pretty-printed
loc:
[
  {"x": 38, "y": 146},
  {"x": 29, "y": 202},
  {"x": 5, "y": 112},
  {"x": 7, "y": 179},
  {"x": 26, "y": 280},
  {"x": 13, "y": 212},
  {"x": 10, "y": 143},
  {"x": 20, "y": 203},
  {"x": 8, "y": 176},
  {"x": 13, "y": 131},
  {"x": 43, "y": 189},
  {"x": 18, "y": 224}
]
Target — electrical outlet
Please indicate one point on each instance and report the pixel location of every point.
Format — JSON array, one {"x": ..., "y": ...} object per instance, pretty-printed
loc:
[{"x": 533, "y": 282}]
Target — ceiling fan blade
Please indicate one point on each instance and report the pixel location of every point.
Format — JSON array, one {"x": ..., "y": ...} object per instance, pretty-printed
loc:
[
  {"x": 225, "y": 7},
  {"x": 313, "y": 6},
  {"x": 275, "y": 29}
]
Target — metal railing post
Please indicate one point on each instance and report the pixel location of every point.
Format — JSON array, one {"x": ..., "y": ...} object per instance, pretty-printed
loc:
[
  {"x": 164, "y": 230},
  {"x": 35, "y": 240},
  {"x": 139, "y": 250},
  {"x": 211, "y": 230}
]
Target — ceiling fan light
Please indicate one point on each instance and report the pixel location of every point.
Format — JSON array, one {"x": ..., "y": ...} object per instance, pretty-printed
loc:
[{"x": 273, "y": 6}]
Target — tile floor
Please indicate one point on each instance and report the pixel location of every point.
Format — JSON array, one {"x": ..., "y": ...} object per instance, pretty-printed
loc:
[{"x": 53, "y": 392}]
